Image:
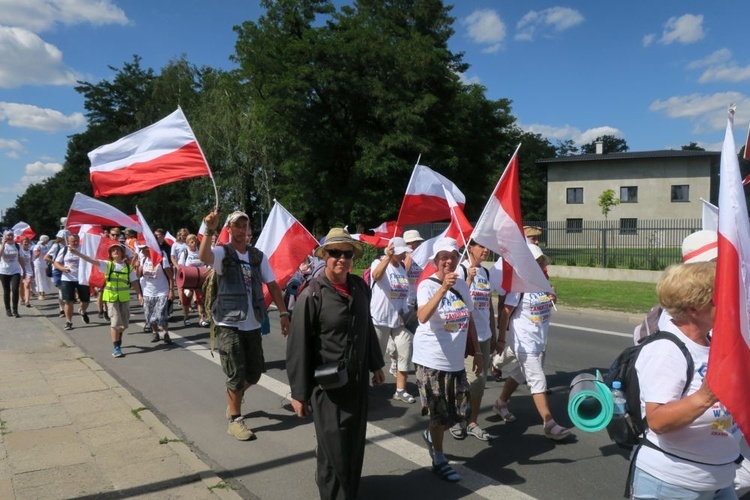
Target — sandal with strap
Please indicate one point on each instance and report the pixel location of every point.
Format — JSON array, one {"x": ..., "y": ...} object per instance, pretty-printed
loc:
[
  {"x": 502, "y": 409},
  {"x": 445, "y": 471},
  {"x": 553, "y": 430},
  {"x": 479, "y": 433},
  {"x": 404, "y": 397}
]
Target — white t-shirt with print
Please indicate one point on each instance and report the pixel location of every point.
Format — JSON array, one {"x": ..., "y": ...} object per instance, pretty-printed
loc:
[
  {"x": 27, "y": 257},
  {"x": 179, "y": 249},
  {"x": 712, "y": 438},
  {"x": 9, "y": 263},
  {"x": 440, "y": 343},
  {"x": 191, "y": 258},
  {"x": 389, "y": 295},
  {"x": 266, "y": 276},
  {"x": 154, "y": 282},
  {"x": 528, "y": 327},
  {"x": 72, "y": 263},
  {"x": 481, "y": 295}
]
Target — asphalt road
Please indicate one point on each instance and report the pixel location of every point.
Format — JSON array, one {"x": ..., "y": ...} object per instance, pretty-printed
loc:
[{"x": 185, "y": 386}]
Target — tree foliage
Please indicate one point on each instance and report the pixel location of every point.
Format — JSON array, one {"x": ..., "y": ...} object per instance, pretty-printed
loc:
[
  {"x": 607, "y": 201},
  {"x": 611, "y": 144}
]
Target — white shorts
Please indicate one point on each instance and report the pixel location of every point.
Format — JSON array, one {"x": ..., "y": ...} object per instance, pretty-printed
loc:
[
  {"x": 403, "y": 340},
  {"x": 530, "y": 370}
]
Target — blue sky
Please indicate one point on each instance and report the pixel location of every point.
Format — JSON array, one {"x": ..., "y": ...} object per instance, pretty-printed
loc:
[{"x": 659, "y": 74}]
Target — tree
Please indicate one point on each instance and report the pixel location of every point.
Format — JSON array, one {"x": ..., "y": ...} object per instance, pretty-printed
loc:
[
  {"x": 607, "y": 201},
  {"x": 611, "y": 144},
  {"x": 693, "y": 146},
  {"x": 566, "y": 148}
]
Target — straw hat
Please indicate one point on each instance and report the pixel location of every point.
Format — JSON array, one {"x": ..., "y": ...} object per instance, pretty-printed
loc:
[{"x": 339, "y": 235}]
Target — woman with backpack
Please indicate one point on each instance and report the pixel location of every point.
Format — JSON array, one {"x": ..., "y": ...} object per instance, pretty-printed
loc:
[
  {"x": 119, "y": 276},
  {"x": 691, "y": 445},
  {"x": 157, "y": 282},
  {"x": 11, "y": 272}
]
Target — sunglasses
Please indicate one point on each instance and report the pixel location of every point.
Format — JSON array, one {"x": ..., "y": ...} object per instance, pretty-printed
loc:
[{"x": 347, "y": 254}]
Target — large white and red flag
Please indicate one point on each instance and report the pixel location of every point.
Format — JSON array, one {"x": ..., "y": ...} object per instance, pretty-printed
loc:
[
  {"x": 164, "y": 152},
  {"x": 96, "y": 246},
  {"x": 87, "y": 210},
  {"x": 729, "y": 358},
  {"x": 500, "y": 229},
  {"x": 424, "y": 200},
  {"x": 21, "y": 230},
  {"x": 286, "y": 243},
  {"x": 381, "y": 234},
  {"x": 148, "y": 236}
]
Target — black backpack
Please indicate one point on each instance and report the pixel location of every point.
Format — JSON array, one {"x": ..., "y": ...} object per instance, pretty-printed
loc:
[{"x": 628, "y": 432}]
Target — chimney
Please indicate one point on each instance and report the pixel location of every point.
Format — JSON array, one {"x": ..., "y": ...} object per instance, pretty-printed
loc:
[{"x": 599, "y": 147}]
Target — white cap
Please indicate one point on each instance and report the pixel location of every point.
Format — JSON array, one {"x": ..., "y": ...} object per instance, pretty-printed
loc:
[
  {"x": 444, "y": 245},
  {"x": 537, "y": 253},
  {"x": 399, "y": 246},
  {"x": 412, "y": 235},
  {"x": 701, "y": 246}
]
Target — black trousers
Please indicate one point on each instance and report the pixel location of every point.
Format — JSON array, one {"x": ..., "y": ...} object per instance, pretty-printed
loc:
[{"x": 10, "y": 288}]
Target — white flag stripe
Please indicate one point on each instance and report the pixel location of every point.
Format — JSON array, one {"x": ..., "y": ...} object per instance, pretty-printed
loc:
[{"x": 87, "y": 210}]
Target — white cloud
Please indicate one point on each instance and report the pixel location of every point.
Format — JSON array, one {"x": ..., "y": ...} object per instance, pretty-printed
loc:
[
  {"x": 720, "y": 67},
  {"x": 707, "y": 112},
  {"x": 41, "y": 15},
  {"x": 557, "y": 19},
  {"x": 485, "y": 27},
  {"x": 648, "y": 39},
  {"x": 469, "y": 80},
  {"x": 26, "y": 59},
  {"x": 11, "y": 147},
  {"x": 45, "y": 170},
  {"x": 35, "y": 118},
  {"x": 720, "y": 56},
  {"x": 566, "y": 132},
  {"x": 685, "y": 29}
]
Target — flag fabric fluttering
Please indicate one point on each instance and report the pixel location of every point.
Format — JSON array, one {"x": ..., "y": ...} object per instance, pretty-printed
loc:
[
  {"x": 424, "y": 200},
  {"x": 381, "y": 234},
  {"x": 729, "y": 359},
  {"x": 710, "y": 220},
  {"x": 286, "y": 243},
  {"x": 96, "y": 246},
  {"x": 164, "y": 152},
  {"x": 87, "y": 210},
  {"x": 20, "y": 230},
  {"x": 150, "y": 239},
  {"x": 500, "y": 229}
]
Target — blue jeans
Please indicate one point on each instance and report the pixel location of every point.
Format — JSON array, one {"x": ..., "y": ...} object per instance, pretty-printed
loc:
[{"x": 646, "y": 486}]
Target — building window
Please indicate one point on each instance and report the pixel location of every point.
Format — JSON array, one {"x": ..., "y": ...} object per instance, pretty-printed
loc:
[
  {"x": 573, "y": 225},
  {"x": 629, "y": 194},
  {"x": 681, "y": 192},
  {"x": 628, "y": 226},
  {"x": 575, "y": 195}
]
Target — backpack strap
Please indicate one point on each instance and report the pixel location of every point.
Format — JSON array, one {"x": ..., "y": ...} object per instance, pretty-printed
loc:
[{"x": 456, "y": 292}]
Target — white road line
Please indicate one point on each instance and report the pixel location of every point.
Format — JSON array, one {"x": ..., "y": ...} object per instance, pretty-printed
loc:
[
  {"x": 477, "y": 483},
  {"x": 584, "y": 329}
]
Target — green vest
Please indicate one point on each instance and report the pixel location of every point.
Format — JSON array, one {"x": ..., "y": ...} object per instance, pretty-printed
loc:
[{"x": 117, "y": 284}]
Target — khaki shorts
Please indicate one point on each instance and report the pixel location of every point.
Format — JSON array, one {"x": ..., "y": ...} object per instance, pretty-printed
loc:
[
  {"x": 119, "y": 314},
  {"x": 403, "y": 340},
  {"x": 241, "y": 354},
  {"x": 476, "y": 384}
]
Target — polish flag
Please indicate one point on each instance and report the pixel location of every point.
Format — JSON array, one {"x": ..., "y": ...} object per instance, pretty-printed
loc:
[
  {"x": 87, "y": 210},
  {"x": 169, "y": 238},
  {"x": 500, "y": 229},
  {"x": 201, "y": 231},
  {"x": 729, "y": 358},
  {"x": 710, "y": 216},
  {"x": 164, "y": 152},
  {"x": 150, "y": 239},
  {"x": 424, "y": 200},
  {"x": 96, "y": 246},
  {"x": 381, "y": 234},
  {"x": 22, "y": 229},
  {"x": 286, "y": 243}
]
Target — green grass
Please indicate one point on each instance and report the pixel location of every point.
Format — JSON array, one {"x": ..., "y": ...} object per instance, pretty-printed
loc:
[{"x": 627, "y": 296}]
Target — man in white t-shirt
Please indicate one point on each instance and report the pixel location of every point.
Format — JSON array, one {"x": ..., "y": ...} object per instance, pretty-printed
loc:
[
  {"x": 390, "y": 292},
  {"x": 238, "y": 322},
  {"x": 71, "y": 283}
]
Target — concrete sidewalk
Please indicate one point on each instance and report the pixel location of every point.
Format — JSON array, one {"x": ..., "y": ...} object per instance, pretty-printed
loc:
[{"x": 69, "y": 430}]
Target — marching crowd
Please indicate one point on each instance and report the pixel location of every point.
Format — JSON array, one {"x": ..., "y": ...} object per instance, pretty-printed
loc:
[{"x": 439, "y": 324}]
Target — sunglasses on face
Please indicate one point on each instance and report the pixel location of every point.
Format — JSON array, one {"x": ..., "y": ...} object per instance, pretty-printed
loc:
[{"x": 347, "y": 254}]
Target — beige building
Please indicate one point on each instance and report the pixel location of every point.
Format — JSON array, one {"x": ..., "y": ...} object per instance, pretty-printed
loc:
[{"x": 650, "y": 185}]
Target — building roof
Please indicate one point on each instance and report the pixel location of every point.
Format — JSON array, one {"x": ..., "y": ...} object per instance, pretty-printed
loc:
[{"x": 665, "y": 153}]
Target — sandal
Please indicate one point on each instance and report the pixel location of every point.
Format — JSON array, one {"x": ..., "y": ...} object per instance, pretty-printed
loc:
[
  {"x": 501, "y": 409},
  {"x": 445, "y": 471},
  {"x": 404, "y": 397},
  {"x": 458, "y": 432},
  {"x": 553, "y": 430},
  {"x": 479, "y": 433}
]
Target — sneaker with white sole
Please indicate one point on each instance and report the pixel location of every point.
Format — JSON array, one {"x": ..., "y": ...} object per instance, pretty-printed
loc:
[
  {"x": 117, "y": 353},
  {"x": 68, "y": 326},
  {"x": 239, "y": 430},
  {"x": 404, "y": 397}
]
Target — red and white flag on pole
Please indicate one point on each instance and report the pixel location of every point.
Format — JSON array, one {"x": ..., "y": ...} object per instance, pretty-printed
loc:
[
  {"x": 286, "y": 243},
  {"x": 164, "y": 152},
  {"x": 500, "y": 228},
  {"x": 729, "y": 358},
  {"x": 424, "y": 200},
  {"x": 87, "y": 210},
  {"x": 150, "y": 239},
  {"x": 22, "y": 229},
  {"x": 381, "y": 234},
  {"x": 96, "y": 246}
]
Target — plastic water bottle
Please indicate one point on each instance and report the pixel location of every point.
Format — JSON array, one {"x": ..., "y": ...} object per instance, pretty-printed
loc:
[{"x": 619, "y": 399}]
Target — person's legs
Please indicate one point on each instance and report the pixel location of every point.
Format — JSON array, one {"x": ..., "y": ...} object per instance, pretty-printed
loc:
[
  {"x": 84, "y": 295},
  {"x": 234, "y": 346},
  {"x": 5, "y": 280},
  {"x": 15, "y": 283},
  {"x": 403, "y": 340},
  {"x": 185, "y": 302}
]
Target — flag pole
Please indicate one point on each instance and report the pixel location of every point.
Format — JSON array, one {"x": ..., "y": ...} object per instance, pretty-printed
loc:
[{"x": 210, "y": 173}]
